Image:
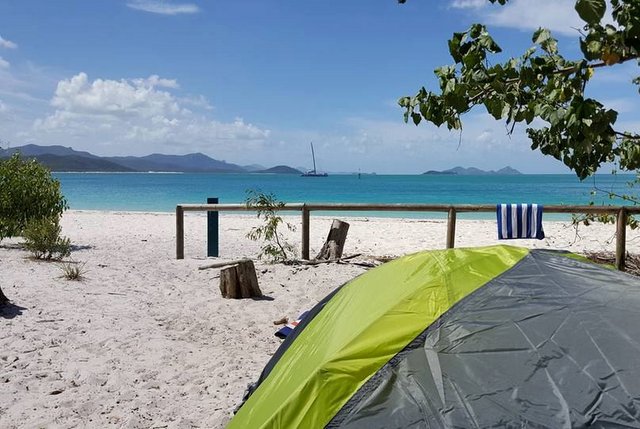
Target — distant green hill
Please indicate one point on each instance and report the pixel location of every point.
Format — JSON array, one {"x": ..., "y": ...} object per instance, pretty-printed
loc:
[
  {"x": 31, "y": 150},
  {"x": 192, "y": 163},
  {"x": 60, "y": 158},
  {"x": 79, "y": 163}
]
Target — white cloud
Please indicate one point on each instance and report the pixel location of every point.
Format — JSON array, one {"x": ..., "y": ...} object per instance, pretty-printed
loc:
[
  {"x": 392, "y": 147},
  {"x": 4, "y": 64},
  {"x": 156, "y": 81},
  {"x": 559, "y": 16},
  {"x": 110, "y": 97},
  {"x": 163, "y": 7},
  {"x": 556, "y": 15},
  {"x": 3, "y": 107},
  {"x": 8, "y": 44},
  {"x": 468, "y": 4},
  {"x": 126, "y": 116},
  {"x": 199, "y": 101},
  {"x": 480, "y": 133}
]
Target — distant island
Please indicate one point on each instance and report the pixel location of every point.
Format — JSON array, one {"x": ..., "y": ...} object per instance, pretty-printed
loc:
[
  {"x": 60, "y": 158},
  {"x": 280, "y": 169},
  {"x": 472, "y": 171}
]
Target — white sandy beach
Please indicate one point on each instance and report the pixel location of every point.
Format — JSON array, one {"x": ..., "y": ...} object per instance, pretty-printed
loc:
[{"x": 146, "y": 341}]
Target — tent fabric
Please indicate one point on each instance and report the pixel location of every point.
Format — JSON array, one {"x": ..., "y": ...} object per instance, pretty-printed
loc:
[
  {"x": 367, "y": 322},
  {"x": 551, "y": 343},
  {"x": 487, "y": 337}
]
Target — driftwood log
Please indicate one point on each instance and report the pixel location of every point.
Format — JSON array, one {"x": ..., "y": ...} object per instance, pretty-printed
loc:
[
  {"x": 239, "y": 281},
  {"x": 3, "y": 299},
  {"x": 222, "y": 264},
  {"x": 328, "y": 261},
  {"x": 333, "y": 247}
]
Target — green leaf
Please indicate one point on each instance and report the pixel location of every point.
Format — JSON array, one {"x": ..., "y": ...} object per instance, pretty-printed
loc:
[
  {"x": 454, "y": 46},
  {"x": 541, "y": 35},
  {"x": 488, "y": 43},
  {"x": 591, "y": 11}
]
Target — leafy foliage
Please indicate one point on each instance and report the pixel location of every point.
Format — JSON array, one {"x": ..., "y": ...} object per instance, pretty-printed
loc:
[
  {"x": 542, "y": 84},
  {"x": 616, "y": 198},
  {"x": 27, "y": 192},
  {"x": 42, "y": 238},
  {"x": 275, "y": 248}
]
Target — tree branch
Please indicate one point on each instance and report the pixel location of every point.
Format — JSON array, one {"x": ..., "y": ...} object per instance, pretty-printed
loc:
[{"x": 627, "y": 135}]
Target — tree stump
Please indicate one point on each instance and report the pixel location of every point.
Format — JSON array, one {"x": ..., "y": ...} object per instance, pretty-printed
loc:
[
  {"x": 3, "y": 299},
  {"x": 332, "y": 248},
  {"x": 239, "y": 281}
]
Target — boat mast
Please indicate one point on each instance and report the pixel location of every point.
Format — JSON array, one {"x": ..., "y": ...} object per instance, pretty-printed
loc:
[{"x": 313, "y": 155}]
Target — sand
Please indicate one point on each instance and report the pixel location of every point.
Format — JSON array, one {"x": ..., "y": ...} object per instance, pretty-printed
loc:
[{"x": 146, "y": 341}]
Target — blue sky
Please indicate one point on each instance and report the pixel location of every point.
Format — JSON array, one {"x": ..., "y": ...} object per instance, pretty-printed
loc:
[{"x": 254, "y": 81}]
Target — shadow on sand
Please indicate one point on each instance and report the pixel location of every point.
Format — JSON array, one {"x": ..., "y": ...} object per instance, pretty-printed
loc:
[
  {"x": 9, "y": 311},
  {"x": 76, "y": 247},
  {"x": 12, "y": 246},
  {"x": 263, "y": 298}
]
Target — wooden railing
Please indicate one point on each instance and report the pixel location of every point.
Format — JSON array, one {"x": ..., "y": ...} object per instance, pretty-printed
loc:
[{"x": 621, "y": 213}]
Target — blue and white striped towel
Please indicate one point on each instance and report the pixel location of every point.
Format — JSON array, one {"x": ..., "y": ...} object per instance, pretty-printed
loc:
[
  {"x": 287, "y": 329},
  {"x": 519, "y": 221}
]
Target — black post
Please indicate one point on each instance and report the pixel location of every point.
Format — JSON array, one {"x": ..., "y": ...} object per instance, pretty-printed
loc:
[{"x": 212, "y": 230}]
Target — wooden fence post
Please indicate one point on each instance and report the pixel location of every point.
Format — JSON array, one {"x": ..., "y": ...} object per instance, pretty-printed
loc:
[
  {"x": 622, "y": 215},
  {"x": 305, "y": 232},
  {"x": 179, "y": 232},
  {"x": 451, "y": 228},
  {"x": 621, "y": 238},
  {"x": 213, "y": 228}
]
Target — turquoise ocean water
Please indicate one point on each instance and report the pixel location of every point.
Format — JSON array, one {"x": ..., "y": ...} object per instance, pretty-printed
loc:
[{"x": 162, "y": 192}]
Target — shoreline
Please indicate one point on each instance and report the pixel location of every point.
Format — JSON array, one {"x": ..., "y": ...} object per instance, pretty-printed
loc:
[
  {"x": 430, "y": 232},
  {"x": 357, "y": 215},
  {"x": 146, "y": 340}
]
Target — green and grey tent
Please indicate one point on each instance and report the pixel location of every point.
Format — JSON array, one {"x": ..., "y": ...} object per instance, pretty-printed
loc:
[{"x": 462, "y": 338}]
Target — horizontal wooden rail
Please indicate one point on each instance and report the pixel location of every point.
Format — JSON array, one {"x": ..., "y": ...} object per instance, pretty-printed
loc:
[
  {"x": 459, "y": 208},
  {"x": 230, "y": 207},
  {"x": 621, "y": 213}
]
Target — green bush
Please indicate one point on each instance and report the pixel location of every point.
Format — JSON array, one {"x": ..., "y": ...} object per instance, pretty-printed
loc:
[
  {"x": 27, "y": 192},
  {"x": 42, "y": 238},
  {"x": 275, "y": 248}
]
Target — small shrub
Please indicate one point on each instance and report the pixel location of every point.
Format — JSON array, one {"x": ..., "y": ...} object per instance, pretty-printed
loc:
[
  {"x": 73, "y": 270},
  {"x": 27, "y": 192},
  {"x": 276, "y": 248},
  {"x": 42, "y": 238}
]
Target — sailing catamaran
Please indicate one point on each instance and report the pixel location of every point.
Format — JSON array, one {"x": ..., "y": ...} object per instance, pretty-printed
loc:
[{"x": 314, "y": 172}]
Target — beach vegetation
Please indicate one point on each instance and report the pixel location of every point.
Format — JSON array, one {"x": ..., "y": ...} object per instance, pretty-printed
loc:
[
  {"x": 28, "y": 192},
  {"x": 542, "y": 88},
  {"x": 275, "y": 248},
  {"x": 546, "y": 91},
  {"x": 73, "y": 271},
  {"x": 42, "y": 237}
]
